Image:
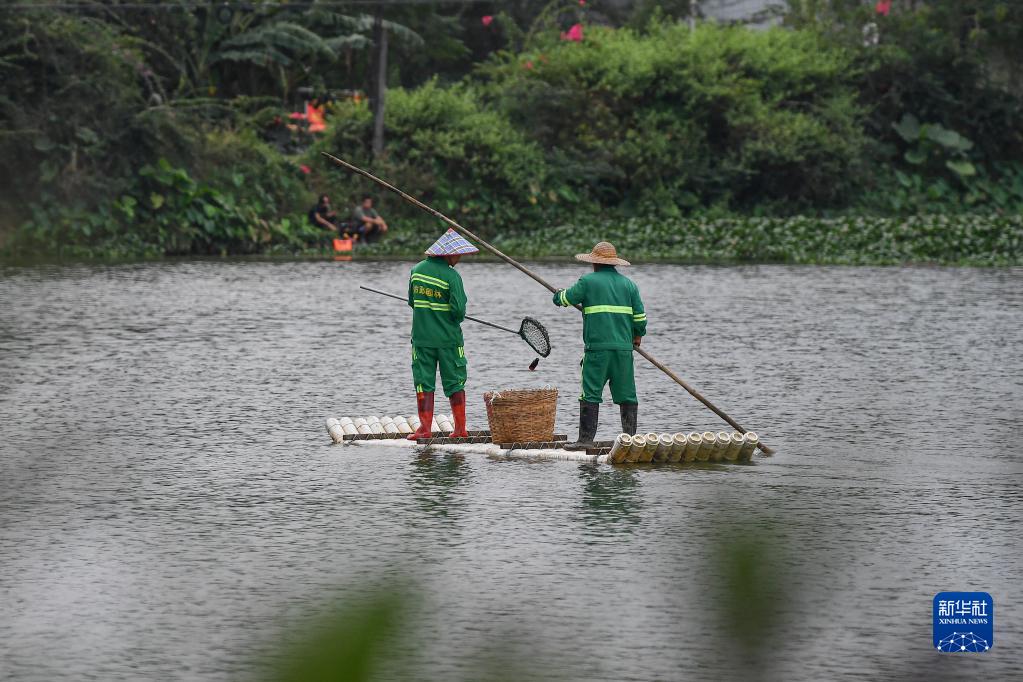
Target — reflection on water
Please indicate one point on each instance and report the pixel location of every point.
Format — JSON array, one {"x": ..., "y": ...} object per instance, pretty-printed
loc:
[
  {"x": 438, "y": 481},
  {"x": 610, "y": 497},
  {"x": 169, "y": 496}
]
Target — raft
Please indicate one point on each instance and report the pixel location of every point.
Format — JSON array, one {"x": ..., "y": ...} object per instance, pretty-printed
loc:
[{"x": 657, "y": 448}]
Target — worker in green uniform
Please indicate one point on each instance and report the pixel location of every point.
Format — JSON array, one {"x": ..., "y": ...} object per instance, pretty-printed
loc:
[
  {"x": 613, "y": 322},
  {"x": 438, "y": 300}
]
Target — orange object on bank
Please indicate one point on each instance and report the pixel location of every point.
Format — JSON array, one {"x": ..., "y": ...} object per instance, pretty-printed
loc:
[
  {"x": 315, "y": 116},
  {"x": 343, "y": 245}
]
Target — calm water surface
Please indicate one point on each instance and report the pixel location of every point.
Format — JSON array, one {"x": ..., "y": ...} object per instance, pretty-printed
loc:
[{"x": 171, "y": 506}]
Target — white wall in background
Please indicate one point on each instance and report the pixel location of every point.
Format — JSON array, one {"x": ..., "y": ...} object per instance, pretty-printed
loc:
[{"x": 757, "y": 12}]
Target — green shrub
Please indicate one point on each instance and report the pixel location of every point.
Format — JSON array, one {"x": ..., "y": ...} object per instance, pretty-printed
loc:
[
  {"x": 239, "y": 162},
  {"x": 61, "y": 130},
  {"x": 167, "y": 211},
  {"x": 672, "y": 119},
  {"x": 953, "y": 66},
  {"x": 443, "y": 147}
]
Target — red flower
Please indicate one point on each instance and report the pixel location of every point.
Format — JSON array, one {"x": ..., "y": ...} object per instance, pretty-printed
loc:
[
  {"x": 305, "y": 169},
  {"x": 582, "y": 3},
  {"x": 883, "y": 7},
  {"x": 487, "y": 20},
  {"x": 575, "y": 34},
  {"x": 528, "y": 65}
]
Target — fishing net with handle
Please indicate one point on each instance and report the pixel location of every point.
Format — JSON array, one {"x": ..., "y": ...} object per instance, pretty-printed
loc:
[{"x": 533, "y": 333}]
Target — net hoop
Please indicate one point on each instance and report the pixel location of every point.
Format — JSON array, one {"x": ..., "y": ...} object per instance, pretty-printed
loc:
[{"x": 534, "y": 334}]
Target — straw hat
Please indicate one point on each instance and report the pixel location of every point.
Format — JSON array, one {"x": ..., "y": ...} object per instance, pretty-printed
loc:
[
  {"x": 603, "y": 253},
  {"x": 451, "y": 244}
]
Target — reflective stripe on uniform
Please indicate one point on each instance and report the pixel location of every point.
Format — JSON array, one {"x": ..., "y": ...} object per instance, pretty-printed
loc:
[
  {"x": 461, "y": 351},
  {"x": 641, "y": 317},
  {"x": 426, "y": 279},
  {"x": 622, "y": 309},
  {"x": 432, "y": 306},
  {"x": 564, "y": 298}
]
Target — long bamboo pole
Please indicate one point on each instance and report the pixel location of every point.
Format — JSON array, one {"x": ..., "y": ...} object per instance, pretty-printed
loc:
[
  {"x": 510, "y": 261},
  {"x": 437, "y": 214}
]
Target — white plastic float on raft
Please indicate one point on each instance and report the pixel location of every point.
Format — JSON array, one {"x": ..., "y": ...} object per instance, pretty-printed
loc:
[{"x": 722, "y": 446}]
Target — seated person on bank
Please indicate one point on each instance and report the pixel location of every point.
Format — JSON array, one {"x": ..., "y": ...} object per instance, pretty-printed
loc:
[
  {"x": 323, "y": 216},
  {"x": 368, "y": 221}
]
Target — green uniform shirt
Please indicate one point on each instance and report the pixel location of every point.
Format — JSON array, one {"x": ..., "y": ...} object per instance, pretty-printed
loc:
[
  {"x": 437, "y": 299},
  {"x": 612, "y": 309}
]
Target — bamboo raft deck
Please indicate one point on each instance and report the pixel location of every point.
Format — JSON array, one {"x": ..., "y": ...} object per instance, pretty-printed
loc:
[{"x": 679, "y": 448}]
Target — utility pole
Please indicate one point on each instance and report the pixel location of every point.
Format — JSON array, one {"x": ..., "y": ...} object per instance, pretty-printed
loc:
[
  {"x": 380, "y": 89},
  {"x": 693, "y": 7}
]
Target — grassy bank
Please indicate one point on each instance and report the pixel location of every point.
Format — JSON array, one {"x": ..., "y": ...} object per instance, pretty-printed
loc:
[{"x": 979, "y": 240}]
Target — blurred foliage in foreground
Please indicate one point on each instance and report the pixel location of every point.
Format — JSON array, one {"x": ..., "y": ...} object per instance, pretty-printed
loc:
[
  {"x": 348, "y": 644},
  {"x": 750, "y": 617},
  {"x": 130, "y": 132},
  {"x": 752, "y": 589},
  {"x": 377, "y": 636}
]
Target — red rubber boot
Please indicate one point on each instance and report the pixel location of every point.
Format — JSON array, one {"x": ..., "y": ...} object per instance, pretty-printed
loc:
[
  {"x": 458, "y": 414},
  {"x": 424, "y": 405}
]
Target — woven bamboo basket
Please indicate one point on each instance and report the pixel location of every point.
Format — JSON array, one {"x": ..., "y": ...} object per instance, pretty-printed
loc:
[{"x": 520, "y": 416}]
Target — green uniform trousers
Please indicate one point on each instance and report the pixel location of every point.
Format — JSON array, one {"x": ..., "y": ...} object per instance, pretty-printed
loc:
[
  {"x": 453, "y": 372},
  {"x": 602, "y": 366}
]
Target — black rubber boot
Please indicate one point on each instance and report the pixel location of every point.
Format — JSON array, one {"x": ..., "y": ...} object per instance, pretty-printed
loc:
[
  {"x": 588, "y": 415},
  {"x": 630, "y": 415}
]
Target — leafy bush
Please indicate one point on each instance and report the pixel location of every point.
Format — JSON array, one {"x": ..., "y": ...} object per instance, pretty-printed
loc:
[
  {"x": 947, "y": 62},
  {"x": 673, "y": 119},
  {"x": 85, "y": 123},
  {"x": 167, "y": 211},
  {"x": 70, "y": 108},
  {"x": 239, "y": 162},
  {"x": 940, "y": 171},
  {"x": 933, "y": 144},
  {"x": 443, "y": 147}
]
